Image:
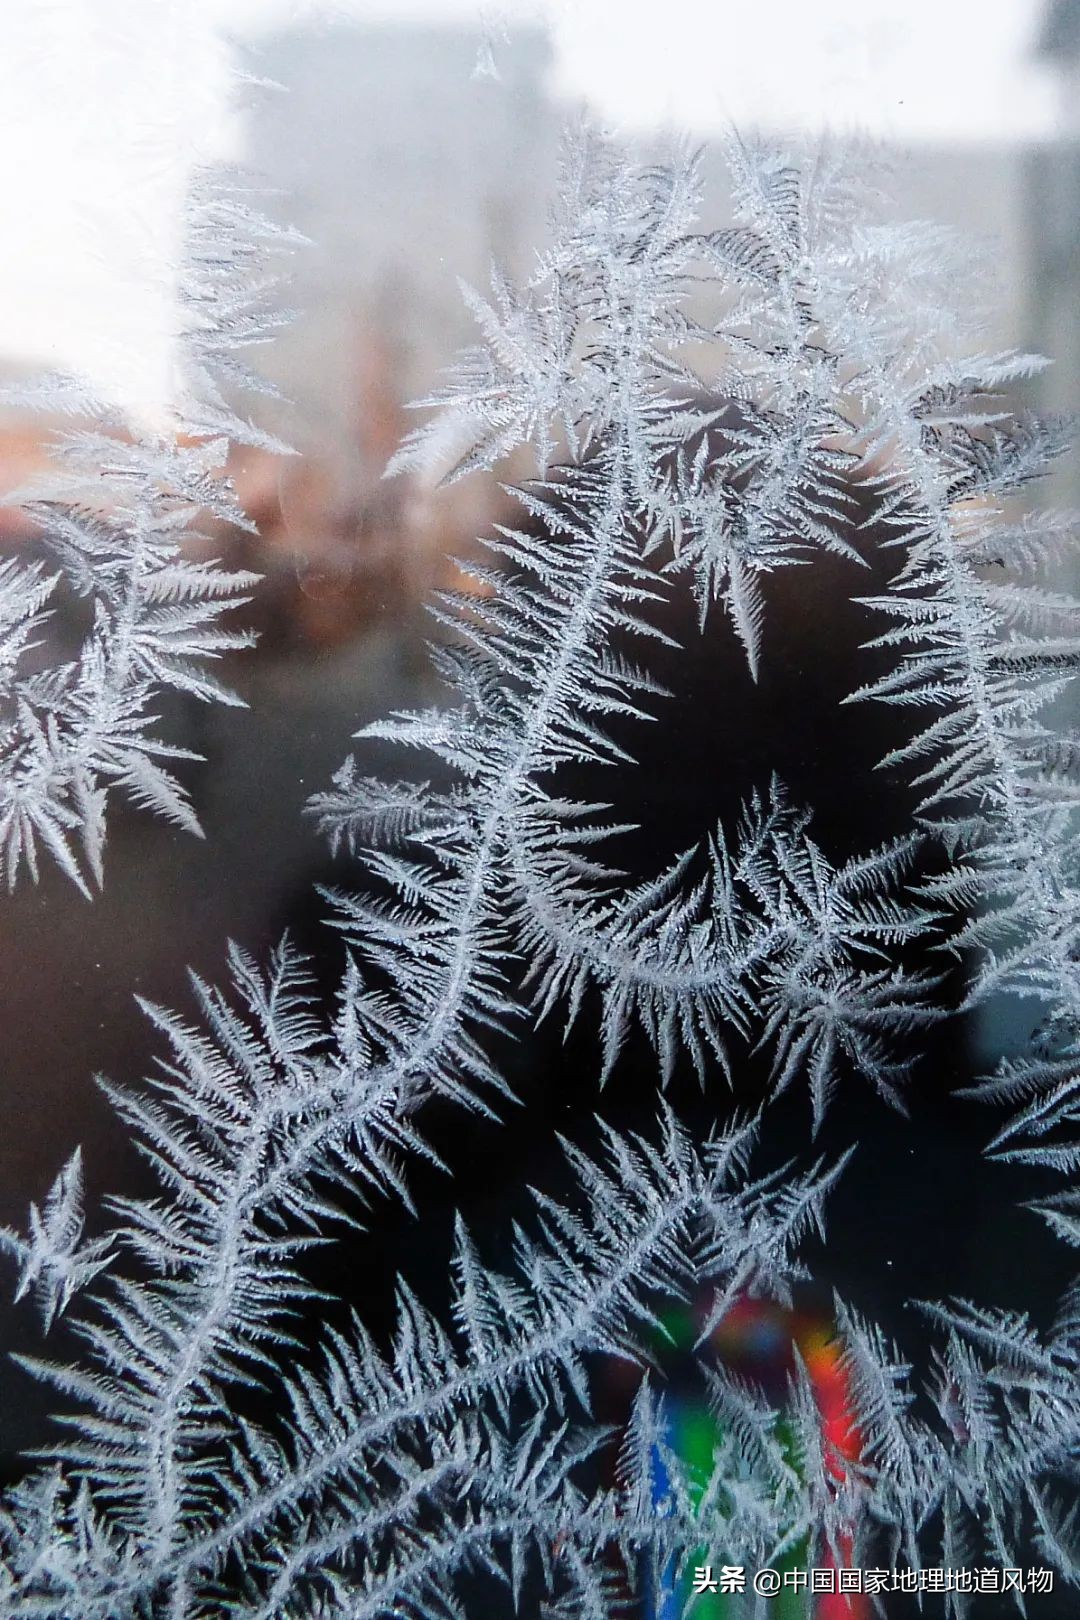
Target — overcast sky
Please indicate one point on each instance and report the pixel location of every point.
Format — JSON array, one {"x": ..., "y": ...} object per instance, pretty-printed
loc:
[
  {"x": 105, "y": 104},
  {"x": 913, "y": 69}
]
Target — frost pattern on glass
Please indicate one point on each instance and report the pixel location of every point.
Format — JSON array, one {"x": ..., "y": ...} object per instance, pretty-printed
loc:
[{"x": 465, "y": 1449}]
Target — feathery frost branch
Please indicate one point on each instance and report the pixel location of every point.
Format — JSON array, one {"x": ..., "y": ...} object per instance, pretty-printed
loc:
[
  {"x": 120, "y": 514},
  {"x": 984, "y": 649}
]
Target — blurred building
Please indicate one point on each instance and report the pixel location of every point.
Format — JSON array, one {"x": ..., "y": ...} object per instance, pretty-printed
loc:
[
  {"x": 1052, "y": 234},
  {"x": 1059, "y": 44},
  {"x": 410, "y": 156}
]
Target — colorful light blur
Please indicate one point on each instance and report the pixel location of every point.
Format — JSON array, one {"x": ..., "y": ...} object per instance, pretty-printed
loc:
[{"x": 758, "y": 1339}]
